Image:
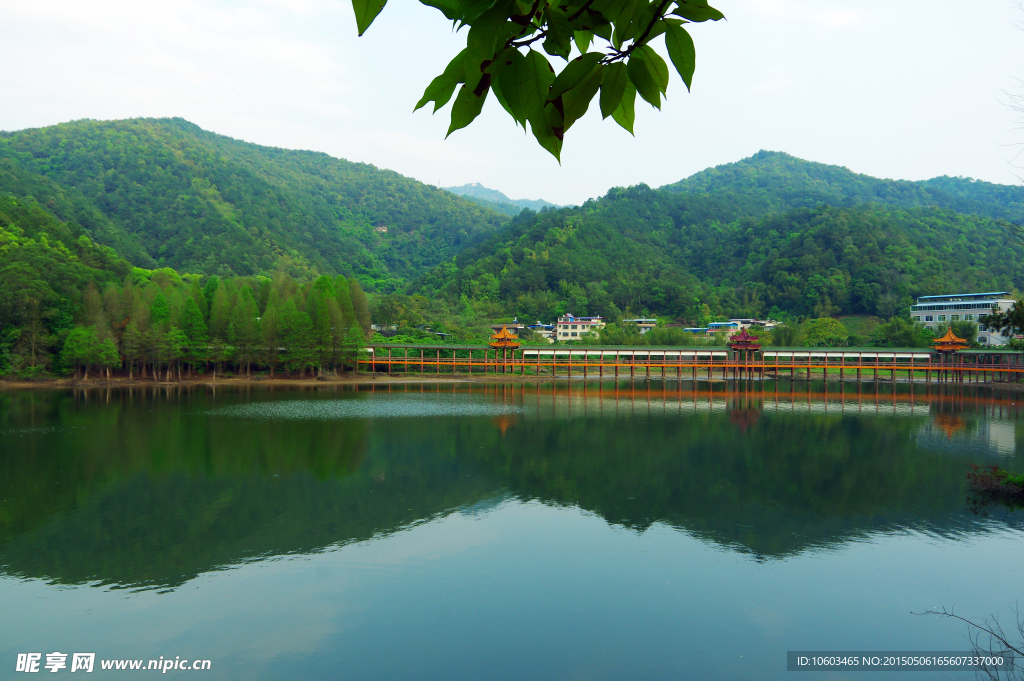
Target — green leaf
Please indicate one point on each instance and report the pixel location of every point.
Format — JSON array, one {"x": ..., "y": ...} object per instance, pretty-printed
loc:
[
  {"x": 613, "y": 86},
  {"x": 576, "y": 100},
  {"x": 656, "y": 65},
  {"x": 467, "y": 107},
  {"x": 488, "y": 33},
  {"x": 449, "y": 8},
  {"x": 366, "y": 11},
  {"x": 694, "y": 10},
  {"x": 625, "y": 114},
  {"x": 535, "y": 79},
  {"x": 603, "y": 30},
  {"x": 610, "y": 9},
  {"x": 506, "y": 87},
  {"x": 624, "y": 22},
  {"x": 583, "y": 40},
  {"x": 559, "y": 40},
  {"x": 682, "y": 52},
  {"x": 441, "y": 88},
  {"x": 470, "y": 10},
  {"x": 578, "y": 69},
  {"x": 645, "y": 83},
  {"x": 644, "y": 15}
]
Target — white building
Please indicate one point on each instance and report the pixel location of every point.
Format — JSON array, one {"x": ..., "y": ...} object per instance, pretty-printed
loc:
[
  {"x": 939, "y": 311},
  {"x": 644, "y": 325},
  {"x": 573, "y": 328}
]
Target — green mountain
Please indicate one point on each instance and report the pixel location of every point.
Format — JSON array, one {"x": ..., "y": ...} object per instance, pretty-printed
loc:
[
  {"x": 771, "y": 181},
  {"x": 166, "y": 193},
  {"x": 742, "y": 246},
  {"x": 495, "y": 200}
]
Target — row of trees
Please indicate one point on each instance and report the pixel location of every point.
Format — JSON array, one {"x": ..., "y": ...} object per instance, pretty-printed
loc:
[{"x": 161, "y": 325}]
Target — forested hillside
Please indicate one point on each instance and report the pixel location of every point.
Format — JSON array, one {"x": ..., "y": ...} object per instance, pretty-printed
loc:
[
  {"x": 771, "y": 181},
  {"x": 269, "y": 250},
  {"x": 166, "y": 193},
  {"x": 690, "y": 255}
]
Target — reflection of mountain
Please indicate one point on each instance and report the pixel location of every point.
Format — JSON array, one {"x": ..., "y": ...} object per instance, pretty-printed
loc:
[{"x": 152, "y": 491}]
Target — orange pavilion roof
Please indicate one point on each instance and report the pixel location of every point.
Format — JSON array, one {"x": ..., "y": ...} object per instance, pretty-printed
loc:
[
  {"x": 949, "y": 342},
  {"x": 504, "y": 339}
]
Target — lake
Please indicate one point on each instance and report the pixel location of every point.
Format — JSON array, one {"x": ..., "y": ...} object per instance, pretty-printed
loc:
[{"x": 502, "y": 531}]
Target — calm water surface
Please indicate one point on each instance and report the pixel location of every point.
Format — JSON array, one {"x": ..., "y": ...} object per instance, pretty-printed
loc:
[{"x": 501, "y": 531}]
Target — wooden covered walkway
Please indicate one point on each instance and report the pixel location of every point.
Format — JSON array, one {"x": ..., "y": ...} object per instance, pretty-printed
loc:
[{"x": 716, "y": 362}]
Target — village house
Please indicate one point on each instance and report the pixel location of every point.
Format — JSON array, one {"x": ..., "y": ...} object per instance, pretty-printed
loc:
[{"x": 573, "y": 328}]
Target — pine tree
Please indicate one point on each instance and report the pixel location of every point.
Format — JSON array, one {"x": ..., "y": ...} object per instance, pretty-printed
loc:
[
  {"x": 359, "y": 305},
  {"x": 194, "y": 328},
  {"x": 159, "y": 311}
]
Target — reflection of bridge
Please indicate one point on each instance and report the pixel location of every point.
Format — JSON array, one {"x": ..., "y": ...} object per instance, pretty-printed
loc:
[
  {"x": 972, "y": 366},
  {"x": 605, "y": 398}
]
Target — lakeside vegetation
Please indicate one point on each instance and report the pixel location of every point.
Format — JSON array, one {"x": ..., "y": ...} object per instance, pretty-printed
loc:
[{"x": 69, "y": 305}]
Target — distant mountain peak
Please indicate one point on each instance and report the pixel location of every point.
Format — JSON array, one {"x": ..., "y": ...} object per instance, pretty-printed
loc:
[{"x": 492, "y": 198}]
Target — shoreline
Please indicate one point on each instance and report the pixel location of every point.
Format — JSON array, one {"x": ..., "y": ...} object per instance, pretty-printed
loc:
[{"x": 384, "y": 379}]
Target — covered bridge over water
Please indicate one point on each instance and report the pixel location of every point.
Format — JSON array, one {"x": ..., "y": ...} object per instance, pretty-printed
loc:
[{"x": 696, "y": 362}]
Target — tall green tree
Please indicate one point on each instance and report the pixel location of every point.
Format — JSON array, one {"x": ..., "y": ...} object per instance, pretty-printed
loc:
[
  {"x": 825, "y": 332},
  {"x": 194, "y": 328},
  {"x": 360, "y": 306},
  {"x": 81, "y": 349},
  {"x": 243, "y": 330}
]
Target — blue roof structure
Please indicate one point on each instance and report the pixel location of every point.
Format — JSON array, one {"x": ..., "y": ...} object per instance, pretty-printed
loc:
[{"x": 965, "y": 295}]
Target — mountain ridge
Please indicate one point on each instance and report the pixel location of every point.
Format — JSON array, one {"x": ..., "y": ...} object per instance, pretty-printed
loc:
[
  {"x": 210, "y": 204},
  {"x": 775, "y": 180}
]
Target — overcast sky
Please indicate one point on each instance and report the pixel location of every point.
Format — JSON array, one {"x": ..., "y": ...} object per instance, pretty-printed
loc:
[{"x": 896, "y": 88}]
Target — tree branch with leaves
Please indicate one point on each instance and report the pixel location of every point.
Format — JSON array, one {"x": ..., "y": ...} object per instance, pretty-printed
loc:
[{"x": 616, "y": 60}]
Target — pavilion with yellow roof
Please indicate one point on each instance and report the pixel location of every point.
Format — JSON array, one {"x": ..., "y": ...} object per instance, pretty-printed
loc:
[
  {"x": 505, "y": 339},
  {"x": 949, "y": 343}
]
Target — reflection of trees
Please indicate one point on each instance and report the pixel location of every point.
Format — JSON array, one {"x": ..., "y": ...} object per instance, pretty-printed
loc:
[
  {"x": 152, "y": 491},
  {"x": 155, "y": 494},
  {"x": 779, "y": 485}
]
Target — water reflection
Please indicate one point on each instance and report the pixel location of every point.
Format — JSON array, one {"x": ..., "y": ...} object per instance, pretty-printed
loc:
[{"x": 149, "y": 488}]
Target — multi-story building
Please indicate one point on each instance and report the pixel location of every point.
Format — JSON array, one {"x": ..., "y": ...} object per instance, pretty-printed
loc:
[
  {"x": 940, "y": 311},
  {"x": 573, "y": 328}
]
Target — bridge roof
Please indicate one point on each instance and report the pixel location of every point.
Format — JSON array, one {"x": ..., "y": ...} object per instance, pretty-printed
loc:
[{"x": 561, "y": 347}]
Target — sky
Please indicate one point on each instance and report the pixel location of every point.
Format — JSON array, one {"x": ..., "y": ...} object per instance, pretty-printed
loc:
[{"x": 906, "y": 89}]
